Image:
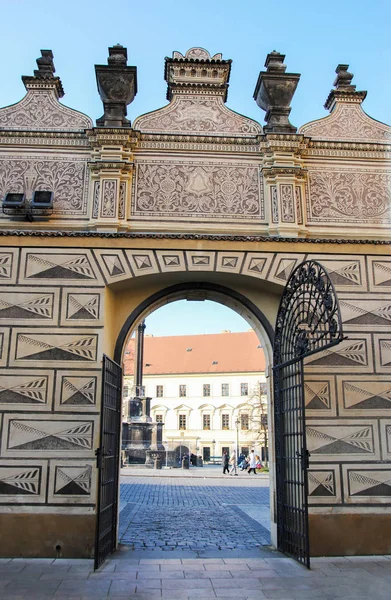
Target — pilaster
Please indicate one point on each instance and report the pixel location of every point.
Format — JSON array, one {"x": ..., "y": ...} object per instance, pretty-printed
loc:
[
  {"x": 284, "y": 181},
  {"x": 111, "y": 171}
]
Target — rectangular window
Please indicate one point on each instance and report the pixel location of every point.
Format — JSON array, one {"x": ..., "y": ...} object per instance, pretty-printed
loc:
[
  {"x": 244, "y": 389},
  {"x": 159, "y": 418},
  {"x": 224, "y": 421},
  {"x": 206, "y": 389},
  {"x": 159, "y": 391},
  {"x": 182, "y": 391},
  {"x": 244, "y": 422},
  {"x": 225, "y": 389},
  {"x": 206, "y": 421},
  {"x": 182, "y": 421}
]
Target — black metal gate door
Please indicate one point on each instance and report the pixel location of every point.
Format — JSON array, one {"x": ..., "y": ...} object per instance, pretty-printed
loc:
[
  {"x": 308, "y": 321},
  {"x": 107, "y": 456}
]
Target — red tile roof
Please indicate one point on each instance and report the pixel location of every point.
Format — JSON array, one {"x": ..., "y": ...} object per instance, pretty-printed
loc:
[{"x": 209, "y": 353}]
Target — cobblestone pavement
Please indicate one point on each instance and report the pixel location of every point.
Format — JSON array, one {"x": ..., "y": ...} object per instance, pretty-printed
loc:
[
  {"x": 210, "y": 512},
  {"x": 163, "y": 578},
  {"x": 194, "y": 571}
]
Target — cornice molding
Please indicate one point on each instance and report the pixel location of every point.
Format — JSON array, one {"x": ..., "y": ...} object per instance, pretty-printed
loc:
[{"x": 187, "y": 236}]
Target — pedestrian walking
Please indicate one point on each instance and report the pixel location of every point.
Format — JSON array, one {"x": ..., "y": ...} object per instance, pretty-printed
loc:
[
  {"x": 232, "y": 461},
  {"x": 253, "y": 463},
  {"x": 225, "y": 462}
]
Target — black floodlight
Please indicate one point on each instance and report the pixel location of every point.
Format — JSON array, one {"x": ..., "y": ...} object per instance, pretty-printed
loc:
[
  {"x": 14, "y": 200},
  {"x": 42, "y": 199}
]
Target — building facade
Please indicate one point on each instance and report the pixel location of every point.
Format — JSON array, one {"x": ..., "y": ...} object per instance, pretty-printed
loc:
[
  {"x": 191, "y": 200},
  {"x": 208, "y": 390}
]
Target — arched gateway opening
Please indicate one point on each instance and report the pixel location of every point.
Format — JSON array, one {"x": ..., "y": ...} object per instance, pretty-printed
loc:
[{"x": 307, "y": 321}]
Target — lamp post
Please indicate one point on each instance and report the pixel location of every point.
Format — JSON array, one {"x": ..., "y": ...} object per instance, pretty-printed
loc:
[
  {"x": 213, "y": 444},
  {"x": 237, "y": 423},
  {"x": 166, "y": 442}
]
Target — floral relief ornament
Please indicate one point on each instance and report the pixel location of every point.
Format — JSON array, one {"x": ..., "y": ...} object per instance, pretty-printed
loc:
[
  {"x": 206, "y": 190},
  {"x": 197, "y": 115},
  {"x": 40, "y": 110},
  {"x": 66, "y": 178},
  {"x": 361, "y": 196}
]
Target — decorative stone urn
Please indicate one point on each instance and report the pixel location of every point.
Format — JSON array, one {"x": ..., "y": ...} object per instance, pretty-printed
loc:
[
  {"x": 274, "y": 92},
  {"x": 117, "y": 87}
]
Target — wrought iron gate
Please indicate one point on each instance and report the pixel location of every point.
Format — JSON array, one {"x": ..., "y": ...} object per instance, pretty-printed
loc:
[
  {"x": 107, "y": 457},
  {"x": 308, "y": 321}
]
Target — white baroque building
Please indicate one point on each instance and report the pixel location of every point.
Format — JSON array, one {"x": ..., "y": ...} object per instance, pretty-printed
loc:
[{"x": 208, "y": 390}]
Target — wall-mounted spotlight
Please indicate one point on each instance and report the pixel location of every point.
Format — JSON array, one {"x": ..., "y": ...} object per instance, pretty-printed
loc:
[
  {"x": 12, "y": 200},
  {"x": 16, "y": 205}
]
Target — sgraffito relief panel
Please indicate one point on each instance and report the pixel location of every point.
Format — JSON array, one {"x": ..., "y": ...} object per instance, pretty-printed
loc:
[
  {"x": 54, "y": 348},
  {"x": 4, "y": 345},
  {"x": 8, "y": 265},
  {"x": 347, "y": 274},
  {"x": 65, "y": 267},
  {"x": 114, "y": 265},
  {"x": 352, "y": 355},
  {"x": 342, "y": 440},
  {"x": 230, "y": 262},
  {"x": 382, "y": 344},
  {"x": 38, "y": 308},
  {"x": 26, "y": 390},
  {"x": 40, "y": 110},
  {"x": 78, "y": 391},
  {"x": 197, "y": 115},
  {"x": 324, "y": 485},
  {"x": 349, "y": 197},
  {"x": 348, "y": 122},
  {"x": 385, "y": 428},
  {"x": 46, "y": 437},
  {"x": 142, "y": 262},
  {"x": 72, "y": 482},
  {"x": 65, "y": 176},
  {"x": 379, "y": 269},
  {"x": 22, "y": 482},
  {"x": 369, "y": 484},
  {"x": 319, "y": 396},
  {"x": 198, "y": 189},
  {"x": 171, "y": 262},
  {"x": 257, "y": 264},
  {"x": 364, "y": 395},
  {"x": 283, "y": 265},
  {"x": 365, "y": 313},
  {"x": 81, "y": 307}
]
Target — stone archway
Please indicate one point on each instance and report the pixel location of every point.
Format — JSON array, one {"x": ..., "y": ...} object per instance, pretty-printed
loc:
[{"x": 230, "y": 298}]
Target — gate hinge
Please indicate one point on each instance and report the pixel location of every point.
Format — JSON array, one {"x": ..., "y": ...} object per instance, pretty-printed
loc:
[
  {"x": 99, "y": 456},
  {"x": 304, "y": 456}
]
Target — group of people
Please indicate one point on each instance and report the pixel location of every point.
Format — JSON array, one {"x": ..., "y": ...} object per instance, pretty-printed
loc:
[{"x": 249, "y": 463}]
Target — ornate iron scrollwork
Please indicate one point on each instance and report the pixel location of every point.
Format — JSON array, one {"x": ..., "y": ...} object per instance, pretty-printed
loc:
[{"x": 308, "y": 318}]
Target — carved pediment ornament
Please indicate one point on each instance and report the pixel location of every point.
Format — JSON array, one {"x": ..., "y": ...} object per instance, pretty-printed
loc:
[
  {"x": 272, "y": 172},
  {"x": 189, "y": 114},
  {"x": 348, "y": 122},
  {"x": 40, "y": 109}
]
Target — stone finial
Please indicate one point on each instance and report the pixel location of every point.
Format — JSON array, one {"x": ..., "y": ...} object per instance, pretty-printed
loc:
[
  {"x": 344, "y": 78},
  {"x": 344, "y": 90},
  {"x": 44, "y": 77},
  {"x": 196, "y": 71},
  {"x": 273, "y": 93},
  {"x": 45, "y": 65},
  {"x": 117, "y": 87}
]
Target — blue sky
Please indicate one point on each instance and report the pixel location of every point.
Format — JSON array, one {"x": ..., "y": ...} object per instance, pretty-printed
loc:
[{"x": 314, "y": 35}]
